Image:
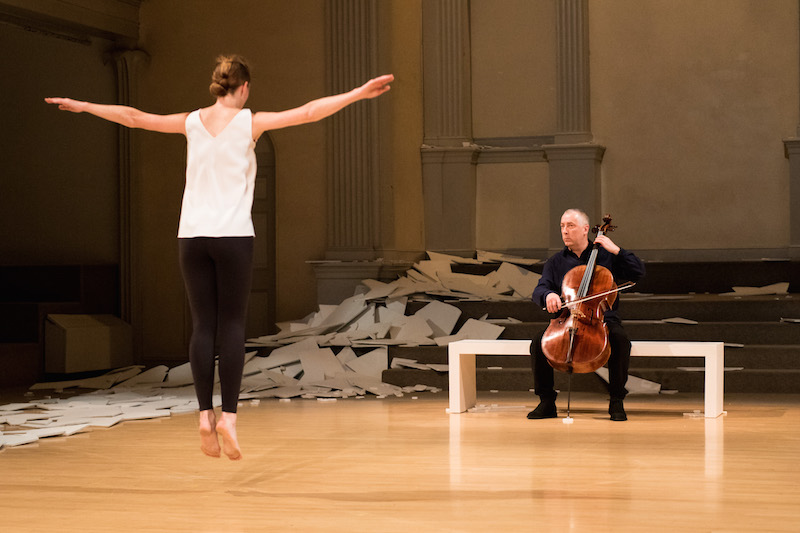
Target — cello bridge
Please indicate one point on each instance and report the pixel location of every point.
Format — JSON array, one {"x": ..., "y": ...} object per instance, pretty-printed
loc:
[{"x": 577, "y": 313}]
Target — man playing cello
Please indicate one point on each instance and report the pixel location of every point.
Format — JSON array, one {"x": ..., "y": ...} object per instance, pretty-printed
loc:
[{"x": 623, "y": 265}]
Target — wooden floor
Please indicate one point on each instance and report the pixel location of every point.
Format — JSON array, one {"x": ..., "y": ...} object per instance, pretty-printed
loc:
[{"x": 403, "y": 464}]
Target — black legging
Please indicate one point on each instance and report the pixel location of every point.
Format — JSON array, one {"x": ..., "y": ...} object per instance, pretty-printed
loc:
[
  {"x": 217, "y": 273},
  {"x": 618, "y": 363}
]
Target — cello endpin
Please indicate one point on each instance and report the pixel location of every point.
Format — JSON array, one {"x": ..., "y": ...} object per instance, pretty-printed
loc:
[{"x": 567, "y": 420}]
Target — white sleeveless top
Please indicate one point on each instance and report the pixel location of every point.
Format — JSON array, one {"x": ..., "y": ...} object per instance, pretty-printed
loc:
[{"x": 220, "y": 178}]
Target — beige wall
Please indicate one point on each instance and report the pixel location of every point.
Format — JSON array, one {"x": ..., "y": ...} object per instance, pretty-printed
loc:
[
  {"x": 510, "y": 200},
  {"x": 692, "y": 100},
  {"x": 513, "y": 67}
]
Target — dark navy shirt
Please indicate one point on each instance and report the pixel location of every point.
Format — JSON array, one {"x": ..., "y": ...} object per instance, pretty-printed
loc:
[{"x": 624, "y": 266}]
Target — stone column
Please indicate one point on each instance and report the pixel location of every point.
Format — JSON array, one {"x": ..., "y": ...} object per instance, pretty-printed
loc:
[
  {"x": 574, "y": 160},
  {"x": 448, "y": 154},
  {"x": 352, "y": 150}
]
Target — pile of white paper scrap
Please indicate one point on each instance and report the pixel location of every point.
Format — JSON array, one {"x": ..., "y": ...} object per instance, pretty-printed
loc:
[
  {"x": 302, "y": 363},
  {"x": 435, "y": 277},
  {"x": 302, "y": 369},
  {"x": 377, "y": 316},
  {"x": 135, "y": 395}
]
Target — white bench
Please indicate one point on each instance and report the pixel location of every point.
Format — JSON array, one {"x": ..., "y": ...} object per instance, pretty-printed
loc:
[{"x": 461, "y": 363}]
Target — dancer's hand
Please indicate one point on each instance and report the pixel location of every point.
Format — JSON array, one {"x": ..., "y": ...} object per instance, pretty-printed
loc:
[
  {"x": 67, "y": 104},
  {"x": 377, "y": 86}
]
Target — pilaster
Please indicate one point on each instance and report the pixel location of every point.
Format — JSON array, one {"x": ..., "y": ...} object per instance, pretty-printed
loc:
[
  {"x": 446, "y": 70},
  {"x": 573, "y": 97},
  {"x": 352, "y": 151}
]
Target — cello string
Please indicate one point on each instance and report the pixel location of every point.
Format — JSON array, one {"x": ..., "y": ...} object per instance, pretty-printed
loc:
[{"x": 586, "y": 281}]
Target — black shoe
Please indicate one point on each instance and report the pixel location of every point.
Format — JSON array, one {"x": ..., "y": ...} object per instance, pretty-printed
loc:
[
  {"x": 545, "y": 409},
  {"x": 617, "y": 411}
]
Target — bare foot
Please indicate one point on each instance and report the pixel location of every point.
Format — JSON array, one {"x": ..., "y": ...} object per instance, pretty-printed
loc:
[
  {"x": 209, "y": 443},
  {"x": 226, "y": 427}
]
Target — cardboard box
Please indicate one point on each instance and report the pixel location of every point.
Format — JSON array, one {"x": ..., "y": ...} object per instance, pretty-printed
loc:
[{"x": 77, "y": 343}]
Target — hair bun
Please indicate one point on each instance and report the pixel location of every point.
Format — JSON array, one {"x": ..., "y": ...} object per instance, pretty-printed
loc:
[
  {"x": 217, "y": 89},
  {"x": 230, "y": 73}
]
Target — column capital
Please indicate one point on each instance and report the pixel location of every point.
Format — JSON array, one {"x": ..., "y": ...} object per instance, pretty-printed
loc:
[{"x": 791, "y": 147}]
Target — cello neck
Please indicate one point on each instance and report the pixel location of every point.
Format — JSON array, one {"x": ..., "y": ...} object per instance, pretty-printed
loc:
[
  {"x": 593, "y": 255},
  {"x": 583, "y": 290}
]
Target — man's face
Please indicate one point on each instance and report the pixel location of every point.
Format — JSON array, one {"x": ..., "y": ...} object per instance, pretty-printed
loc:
[{"x": 574, "y": 233}]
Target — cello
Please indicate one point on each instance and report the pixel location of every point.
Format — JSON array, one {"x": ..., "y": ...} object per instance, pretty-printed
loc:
[{"x": 577, "y": 340}]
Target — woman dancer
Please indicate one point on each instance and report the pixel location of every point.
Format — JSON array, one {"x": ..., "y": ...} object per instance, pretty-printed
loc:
[{"x": 215, "y": 234}]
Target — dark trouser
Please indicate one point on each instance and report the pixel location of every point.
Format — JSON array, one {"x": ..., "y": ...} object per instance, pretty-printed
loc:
[
  {"x": 217, "y": 273},
  {"x": 618, "y": 364}
]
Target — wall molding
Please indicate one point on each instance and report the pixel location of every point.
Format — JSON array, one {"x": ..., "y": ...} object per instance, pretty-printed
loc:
[
  {"x": 76, "y": 20},
  {"x": 706, "y": 255}
]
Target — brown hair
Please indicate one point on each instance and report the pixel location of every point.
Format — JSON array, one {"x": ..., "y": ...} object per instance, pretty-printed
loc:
[{"x": 230, "y": 73}]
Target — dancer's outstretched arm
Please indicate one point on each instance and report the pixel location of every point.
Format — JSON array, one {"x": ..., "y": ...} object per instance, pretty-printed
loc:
[
  {"x": 127, "y": 116},
  {"x": 318, "y": 109}
]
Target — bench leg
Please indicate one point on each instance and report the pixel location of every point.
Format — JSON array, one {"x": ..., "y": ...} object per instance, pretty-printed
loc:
[
  {"x": 461, "y": 370},
  {"x": 715, "y": 381}
]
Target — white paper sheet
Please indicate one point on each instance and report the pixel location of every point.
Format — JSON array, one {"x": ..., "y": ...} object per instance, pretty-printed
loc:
[
  {"x": 775, "y": 288},
  {"x": 441, "y": 318},
  {"x": 473, "y": 329},
  {"x": 371, "y": 364}
]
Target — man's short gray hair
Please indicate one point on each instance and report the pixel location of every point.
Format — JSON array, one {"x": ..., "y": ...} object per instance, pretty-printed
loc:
[{"x": 582, "y": 216}]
